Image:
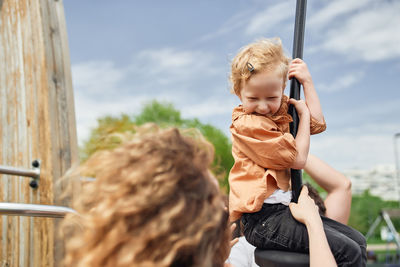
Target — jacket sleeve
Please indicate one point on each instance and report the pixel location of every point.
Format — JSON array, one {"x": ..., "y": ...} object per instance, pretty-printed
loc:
[
  {"x": 260, "y": 140},
  {"x": 317, "y": 127}
]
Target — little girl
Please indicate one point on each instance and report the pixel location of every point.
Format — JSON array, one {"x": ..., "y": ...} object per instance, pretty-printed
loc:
[{"x": 264, "y": 151}]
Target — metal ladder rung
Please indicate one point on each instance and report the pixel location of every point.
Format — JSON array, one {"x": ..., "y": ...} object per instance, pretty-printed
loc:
[{"x": 34, "y": 210}]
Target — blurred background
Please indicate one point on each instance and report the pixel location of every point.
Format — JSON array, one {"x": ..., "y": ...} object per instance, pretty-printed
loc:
[{"x": 168, "y": 62}]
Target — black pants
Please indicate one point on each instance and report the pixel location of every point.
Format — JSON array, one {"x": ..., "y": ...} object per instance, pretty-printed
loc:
[{"x": 273, "y": 227}]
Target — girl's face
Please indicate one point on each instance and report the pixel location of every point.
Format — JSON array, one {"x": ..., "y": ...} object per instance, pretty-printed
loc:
[{"x": 262, "y": 93}]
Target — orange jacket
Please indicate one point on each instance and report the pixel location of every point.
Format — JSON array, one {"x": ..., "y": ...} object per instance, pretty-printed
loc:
[{"x": 263, "y": 150}]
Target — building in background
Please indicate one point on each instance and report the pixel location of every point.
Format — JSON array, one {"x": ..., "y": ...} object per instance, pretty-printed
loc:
[{"x": 379, "y": 180}]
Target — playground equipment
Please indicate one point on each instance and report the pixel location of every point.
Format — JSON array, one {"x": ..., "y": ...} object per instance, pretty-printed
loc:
[
  {"x": 396, "y": 161},
  {"x": 386, "y": 215},
  {"x": 37, "y": 122},
  {"x": 33, "y": 173},
  {"x": 32, "y": 210},
  {"x": 272, "y": 258}
]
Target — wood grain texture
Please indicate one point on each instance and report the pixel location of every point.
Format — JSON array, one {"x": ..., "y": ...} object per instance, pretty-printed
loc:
[{"x": 37, "y": 121}]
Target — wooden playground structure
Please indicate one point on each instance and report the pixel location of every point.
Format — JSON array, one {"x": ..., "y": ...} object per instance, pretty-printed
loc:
[{"x": 37, "y": 127}]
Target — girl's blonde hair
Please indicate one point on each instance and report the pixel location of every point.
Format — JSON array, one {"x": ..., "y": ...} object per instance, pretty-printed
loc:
[
  {"x": 262, "y": 55},
  {"x": 153, "y": 203}
]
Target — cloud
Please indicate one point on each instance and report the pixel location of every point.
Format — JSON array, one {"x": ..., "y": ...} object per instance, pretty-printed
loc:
[
  {"x": 369, "y": 33},
  {"x": 210, "y": 107},
  {"x": 182, "y": 77},
  {"x": 376, "y": 116},
  {"x": 89, "y": 109},
  {"x": 341, "y": 83},
  {"x": 174, "y": 64},
  {"x": 99, "y": 90},
  {"x": 373, "y": 128},
  {"x": 344, "y": 151},
  {"x": 251, "y": 21},
  {"x": 362, "y": 145},
  {"x": 97, "y": 77},
  {"x": 364, "y": 30},
  {"x": 269, "y": 18},
  {"x": 334, "y": 11},
  {"x": 235, "y": 22}
]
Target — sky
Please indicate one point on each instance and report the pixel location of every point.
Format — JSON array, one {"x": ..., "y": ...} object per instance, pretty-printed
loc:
[{"x": 126, "y": 53}]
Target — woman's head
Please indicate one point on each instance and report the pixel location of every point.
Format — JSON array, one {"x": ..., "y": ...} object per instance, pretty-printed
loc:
[
  {"x": 153, "y": 203},
  {"x": 265, "y": 55}
]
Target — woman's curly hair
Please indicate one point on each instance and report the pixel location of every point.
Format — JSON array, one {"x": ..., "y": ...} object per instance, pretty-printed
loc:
[{"x": 153, "y": 203}]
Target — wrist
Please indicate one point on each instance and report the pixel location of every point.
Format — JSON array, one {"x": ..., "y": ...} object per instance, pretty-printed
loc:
[
  {"x": 314, "y": 222},
  {"x": 308, "y": 83},
  {"x": 304, "y": 115}
]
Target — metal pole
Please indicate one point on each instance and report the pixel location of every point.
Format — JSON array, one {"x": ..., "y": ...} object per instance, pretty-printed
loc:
[
  {"x": 33, "y": 173},
  {"x": 396, "y": 159},
  {"x": 33, "y": 210},
  {"x": 373, "y": 227},
  {"x": 392, "y": 229},
  {"x": 298, "y": 43}
]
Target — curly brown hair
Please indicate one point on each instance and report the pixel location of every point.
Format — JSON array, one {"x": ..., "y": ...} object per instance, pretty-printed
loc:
[{"x": 153, "y": 203}]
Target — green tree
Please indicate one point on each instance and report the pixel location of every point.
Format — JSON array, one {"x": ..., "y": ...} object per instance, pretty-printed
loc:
[
  {"x": 166, "y": 115},
  {"x": 223, "y": 160},
  {"x": 163, "y": 114},
  {"x": 365, "y": 208},
  {"x": 105, "y": 135},
  {"x": 101, "y": 136}
]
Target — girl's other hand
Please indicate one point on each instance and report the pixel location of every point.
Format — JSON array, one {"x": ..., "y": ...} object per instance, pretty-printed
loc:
[{"x": 301, "y": 107}]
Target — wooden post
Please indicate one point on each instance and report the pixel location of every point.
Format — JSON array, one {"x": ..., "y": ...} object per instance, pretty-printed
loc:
[{"x": 37, "y": 121}]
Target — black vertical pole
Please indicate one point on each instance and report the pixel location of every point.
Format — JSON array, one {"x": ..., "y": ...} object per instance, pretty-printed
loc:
[{"x": 298, "y": 43}]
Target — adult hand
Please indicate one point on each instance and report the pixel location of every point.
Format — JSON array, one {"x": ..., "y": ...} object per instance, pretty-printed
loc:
[
  {"x": 235, "y": 240},
  {"x": 232, "y": 230},
  {"x": 305, "y": 211}
]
